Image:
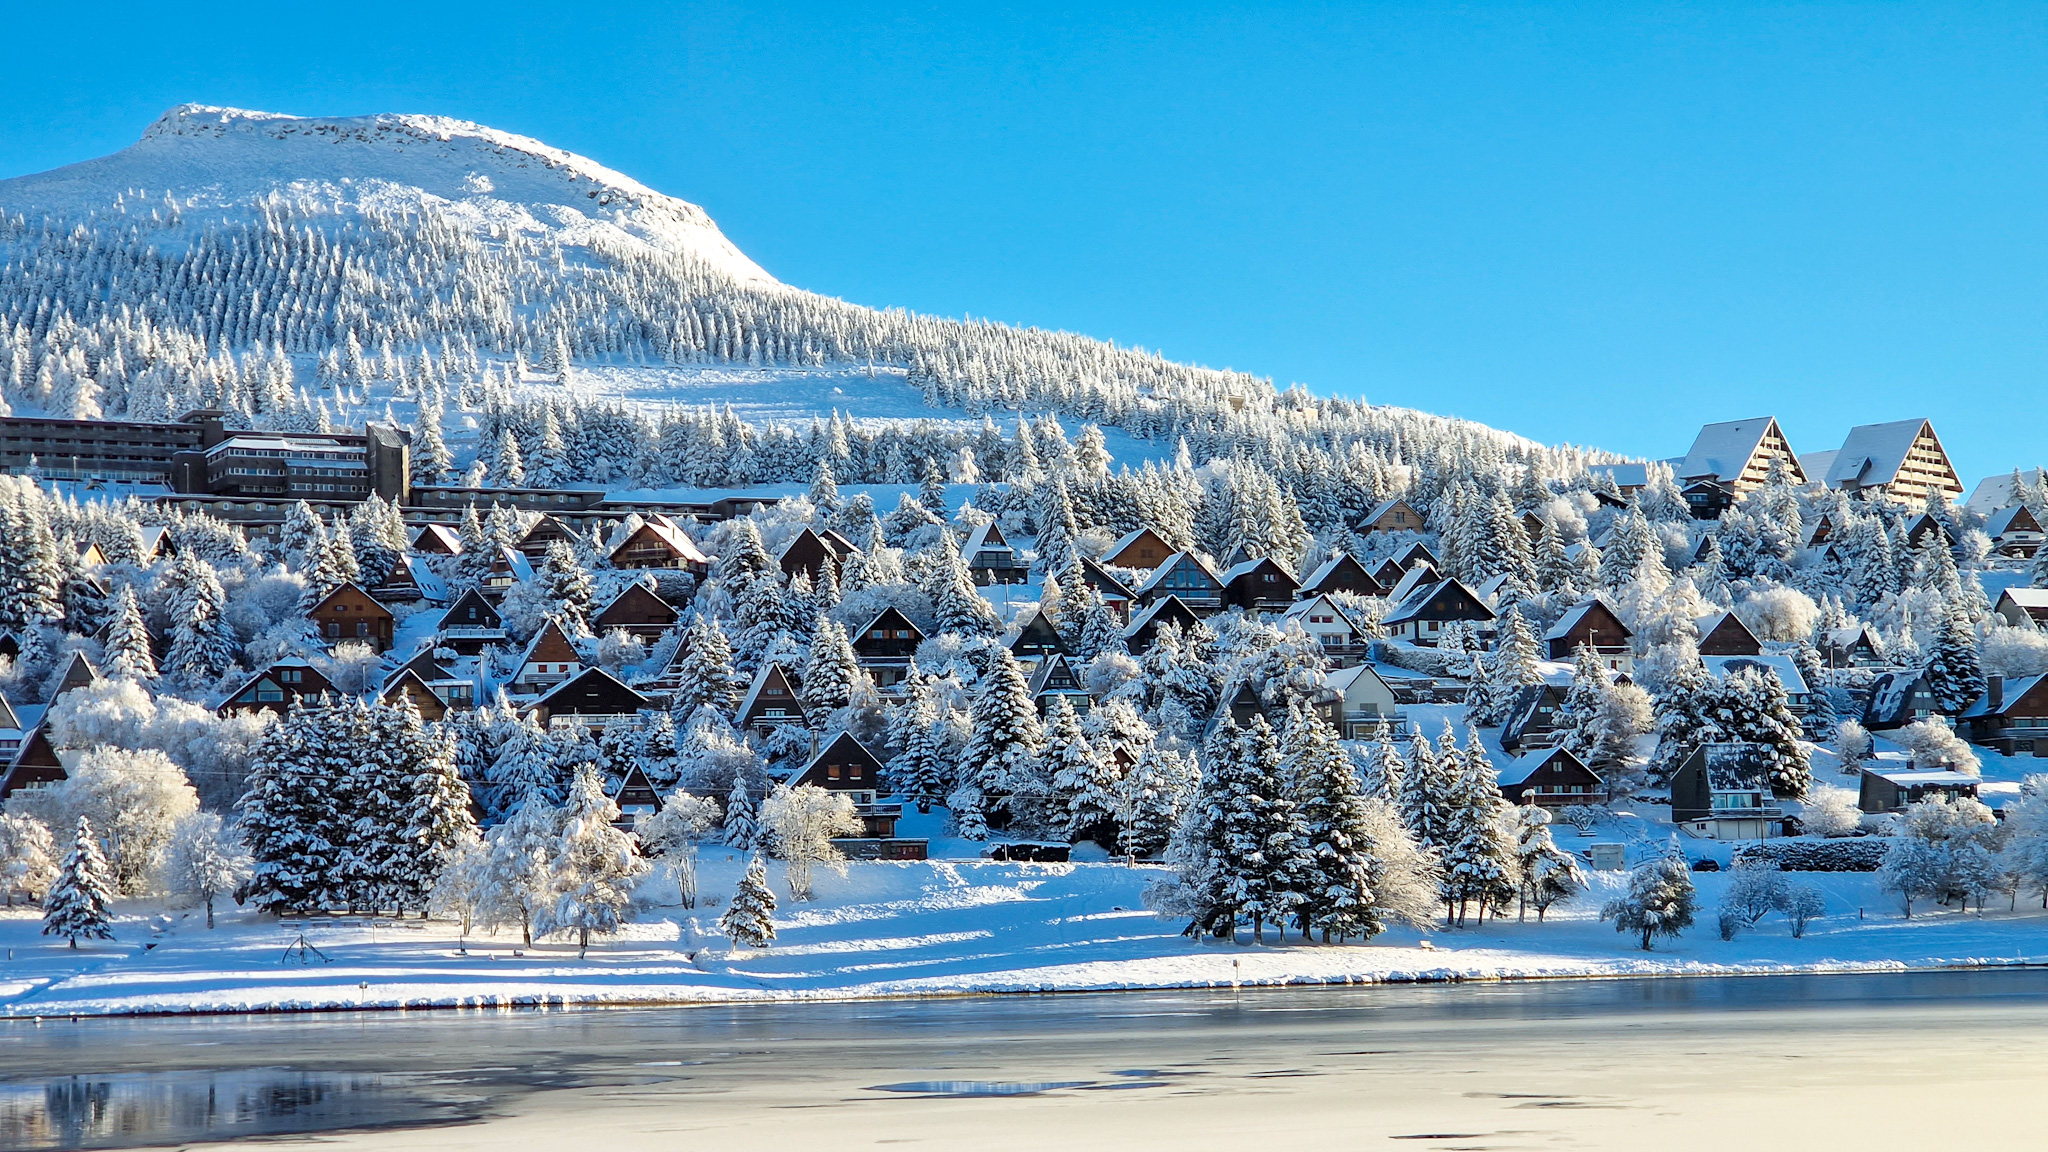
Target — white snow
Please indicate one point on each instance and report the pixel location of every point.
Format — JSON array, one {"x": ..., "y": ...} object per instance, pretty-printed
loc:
[{"x": 928, "y": 928}]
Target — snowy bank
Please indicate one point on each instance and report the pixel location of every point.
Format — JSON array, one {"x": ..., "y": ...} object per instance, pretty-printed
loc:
[{"x": 926, "y": 929}]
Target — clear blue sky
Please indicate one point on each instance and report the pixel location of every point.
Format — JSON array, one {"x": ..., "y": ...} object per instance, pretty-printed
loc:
[{"x": 1599, "y": 223}]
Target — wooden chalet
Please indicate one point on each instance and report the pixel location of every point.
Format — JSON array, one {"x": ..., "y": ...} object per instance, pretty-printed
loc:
[
  {"x": 1144, "y": 626},
  {"x": 844, "y": 765},
  {"x": 771, "y": 702},
  {"x": 407, "y": 684},
  {"x": 1421, "y": 617},
  {"x": 1723, "y": 792},
  {"x": 990, "y": 559},
  {"x": 1185, "y": 577},
  {"x": 1903, "y": 460},
  {"x": 35, "y": 764},
  {"x": 350, "y": 613},
  {"x": 11, "y": 732},
  {"x": 2015, "y": 532},
  {"x": 1551, "y": 778},
  {"x": 2011, "y": 716},
  {"x": 1724, "y": 634},
  {"x": 508, "y": 567},
  {"x": 90, "y": 556},
  {"x": 1366, "y": 706},
  {"x": 2022, "y": 607},
  {"x": 809, "y": 551},
  {"x": 594, "y": 697},
  {"x": 636, "y": 611},
  {"x": 660, "y": 543},
  {"x": 1392, "y": 516},
  {"x": 1323, "y": 618},
  {"x": 550, "y": 659},
  {"x": 1055, "y": 677},
  {"x": 1037, "y": 639},
  {"x": 1340, "y": 573},
  {"x": 1920, "y": 527},
  {"x": 1736, "y": 456},
  {"x": 157, "y": 544},
  {"x": 1388, "y": 574},
  {"x": 1898, "y": 699},
  {"x": 470, "y": 625},
  {"x": 450, "y": 692},
  {"x": 1853, "y": 646},
  {"x": 78, "y": 673},
  {"x": 1116, "y": 595},
  {"x": 276, "y": 689},
  {"x": 1261, "y": 585},
  {"x": 1592, "y": 623},
  {"x": 546, "y": 531},
  {"x": 1532, "y": 718},
  {"x": 1142, "y": 551},
  {"x": 437, "y": 540},
  {"x": 886, "y": 646},
  {"x": 635, "y": 797},
  {"x": 1888, "y": 789},
  {"x": 1418, "y": 553}
]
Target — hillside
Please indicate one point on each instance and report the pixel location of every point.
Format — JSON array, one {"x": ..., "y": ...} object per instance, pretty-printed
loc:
[{"x": 331, "y": 247}]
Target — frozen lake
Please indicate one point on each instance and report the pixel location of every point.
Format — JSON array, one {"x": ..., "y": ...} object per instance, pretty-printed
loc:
[{"x": 1944, "y": 1060}]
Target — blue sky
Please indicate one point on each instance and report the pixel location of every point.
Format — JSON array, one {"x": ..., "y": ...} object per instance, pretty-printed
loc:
[{"x": 1588, "y": 222}]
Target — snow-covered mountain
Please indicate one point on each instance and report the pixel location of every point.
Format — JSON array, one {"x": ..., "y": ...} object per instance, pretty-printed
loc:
[
  {"x": 493, "y": 182},
  {"x": 284, "y": 267}
]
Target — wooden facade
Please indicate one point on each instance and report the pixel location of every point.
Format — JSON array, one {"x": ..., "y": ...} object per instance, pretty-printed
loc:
[{"x": 350, "y": 613}]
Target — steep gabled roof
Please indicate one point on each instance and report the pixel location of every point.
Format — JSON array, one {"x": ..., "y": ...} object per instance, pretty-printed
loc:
[
  {"x": 2018, "y": 518},
  {"x": 1783, "y": 667},
  {"x": 455, "y": 616},
  {"x": 640, "y": 602},
  {"x": 1052, "y": 666},
  {"x": 1576, "y": 615},
  {"x": 1115, "y": 554},
  {"x": 550, "y": 645},
  {"x": 1733, "y": 767},
  {"x": 437, "y": 540},
  {"x": 1995, "y": 492},
  {"x": 1172, "y": 562},
  {"x": 345, "y": 588},
  {"x": 2012, "y": 691},
  {"x": 1304, "y": 607},
  {"x": 1105, "y": 584},
  {"x": 842, "y": 748},
  {"x": 514, "y": 561},
  {"x": 589, "y": 680},
  {"x": 1169, "y": 606},
  {"x": 1420, "y": 603},
  {"x": 1524, "y": 766},
  {"x": 1341, "y": 565},
  {"x": 1873, "y": 453},
  {"x": 1248, "y": 567},
  {"x": 8, "y": 720},
  {"x": 771, "y": 671},
  {"x": 985, "y": 535},
  {"x": 670, "y": 535},
  {"x": 1723, "y": 450},
  {"x": 892, "y": 619},
  {"x": 1419, "y": 576}
]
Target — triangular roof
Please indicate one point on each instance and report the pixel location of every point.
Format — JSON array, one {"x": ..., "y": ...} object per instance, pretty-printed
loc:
[
  {"x": 1340, "y": 680},
  {"x": 312, "y": 682},
  {"x": 1873, "y": 453},
  {"x": 1168, "y": 606},
  {"x": 1420, "y": 576},
  {"x": 2025, "y": 597},
  {"x": 1167, "y": 566},
  {"x": 1733, "y": 767},
  {"x": 985, "y": 535},
  {"x": 670, "y": 535},
  {"x": 546, "y": 531},
  {"x": 1105, "y": 584},
  {"x": 1240, "y": 571},
  {"x": 1304, "y": 607},
  {"x": 2011, "y": 692},
  {"x": 594, "y": 679},
  {"x": 1423, "y": 600},
  {"x": 637, "y": 599},
  {"x": 550, "y": 645},
  {"x": 1047, "y": 669},
  {"x": 1995, "y": 492},
  {"x": 1524, "y": 766},
  {"x": 2018, "y": 518},
  {"x": 343, "y": 589},
  {"x": 78, "y": 673},
  {"x": 1723, "y": 451},
  {"x": 1037, "y": 632},
  {"x": 422, "y": 665},
  {"x": 889, "y": 618},
  {"x": 1129, "y": 540},
  {"x": 1729, "y": 623},
  {"x": 771, "y": 672},
  {"x": 1385, "y": 506},
  {"x": 437, "y": 540},
  {"x": 8, "y": 720},
  {"x": 397, "y": 681},
  {"x": 840, "y": 749},
  {"x": 1419, "y": 551},
  {"x": 1783, "y": 667},
  {"x": 486, "y": 615},
  {"x": 1576, "y": 615},
  {"x": 636, "y": 791},
  {"x": 512, "y": 560},
  {"x": 1342, "y": 566}
]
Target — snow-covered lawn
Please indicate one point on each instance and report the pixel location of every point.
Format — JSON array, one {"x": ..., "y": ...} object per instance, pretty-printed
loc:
[{"x": 928, "y": 928}]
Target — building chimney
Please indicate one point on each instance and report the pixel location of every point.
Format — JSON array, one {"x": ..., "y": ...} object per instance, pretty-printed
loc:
[{"x": 1994, "y": 692}]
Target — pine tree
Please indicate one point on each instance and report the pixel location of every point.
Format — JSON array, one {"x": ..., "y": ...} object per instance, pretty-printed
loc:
[
  {"x": 433, "y": 802},
  {"x": 595, "y": 866},
  {"x": 518, "y": 866},
  {"x": 748, "y": 918},
  {"x": 832, "y": 671},
  {"x": 1251, "y": 858},
  {"x": 567, "y": 583},
  {"x": 1660, "y": 900},
  {"x": 1000, "y": 763},
  {"x": 75, "y": 907},
  {"x": 824, "y": 490},
  {"x": 1424, "y": 793},
  {"x": 1953, "y": 671},
  {"x": 1477, "y": 856},
  {"x": 523, "y": 772},
  {"x": 1580, "y": 718},
  {"x": 960, "y": 606},
  {"x": 1751, "y": 707},
  {"x": 705, "y": 672},
  {"x": 127, "y": 645},
  {"x": 740, "y": 830},
  {"x": 203, "y": 643},
  {"x": 1343, "y": 869},
  {"x": 288, "y": 814},
  {"x": 1155, "y": 794},
  {"x": 1082, "y": 777},
  {"x": 1545, "y": 872}
]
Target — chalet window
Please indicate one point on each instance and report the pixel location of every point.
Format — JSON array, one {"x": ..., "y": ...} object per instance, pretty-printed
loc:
[
  {"x": 291, "y": 675},
  {"x": 831, "y": 771},
  {"x": 269, "y": 692}
]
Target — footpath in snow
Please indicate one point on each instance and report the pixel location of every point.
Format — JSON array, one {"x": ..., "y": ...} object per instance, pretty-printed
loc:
[{"x": 924, "y": 928}]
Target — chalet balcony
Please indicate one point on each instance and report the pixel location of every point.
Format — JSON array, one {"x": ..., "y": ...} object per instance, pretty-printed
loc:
[
  {"x": 1374, "y": 725},
  {"x": 596, "y": 719}
]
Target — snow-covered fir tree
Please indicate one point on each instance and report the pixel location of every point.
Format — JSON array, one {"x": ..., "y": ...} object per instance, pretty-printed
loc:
[
  {"x": 76, "y": 905},
  {"x": 748, "y": 919}
]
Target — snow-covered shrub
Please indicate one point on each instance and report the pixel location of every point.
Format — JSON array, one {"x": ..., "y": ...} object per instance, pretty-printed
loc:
[
  {"x": 1584, "y": 817},
  {"x": 1754, "y": 891},
  {"x": 1830, "y": 811},
  {"x": 1819, "y": 856},
  {"x": 1933, "y": 743},
  {"x": 1782, "y": 614},
  {"x": 134, "y": 798},
  {"x": 1803, "y": 904},
  {"x": 1854, "y": 742},
  {"x": 801, "y": 823},
  {"x": 1661, "y": 900},
  {"x": 2014, "y": 652}
]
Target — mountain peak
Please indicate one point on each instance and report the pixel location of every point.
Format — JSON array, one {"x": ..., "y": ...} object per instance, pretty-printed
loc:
[{"x": 210, "y": 156}]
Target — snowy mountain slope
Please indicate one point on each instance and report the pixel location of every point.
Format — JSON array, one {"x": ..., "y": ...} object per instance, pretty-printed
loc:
[
  {"x": 294, "y": 269},
  {"x": 229, "y": 157}
]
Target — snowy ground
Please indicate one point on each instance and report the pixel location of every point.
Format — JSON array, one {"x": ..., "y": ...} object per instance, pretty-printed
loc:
[{"x": 930, "y": 928}]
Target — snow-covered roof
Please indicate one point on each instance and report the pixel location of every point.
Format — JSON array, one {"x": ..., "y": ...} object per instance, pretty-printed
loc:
[
  {"x": 1574, "y": 615},
  {"x": 1873, "y": 453},
  {"x": 669, "y": 533},
  {"x": 1342, "y": 680},
  {"x": 761, "y": 675},
  {"x": 1166, "y": 568},
  {"x": 1247, "y": 567},
  {"x": 1818, "y": 463},
  {"x": 1303, "y": 607},
  {"x": 1145, "y": 616},
  {"x": 1625, "y": 476},
  {"x": 1522, "y": 767},
  {"x": 980, "y": 539},
  {"x": 1923, "y": 777},
  {"x": 1419, "y": 576},
  {"x": 2001, "y": 521},
  {"x": 591, "y": 674},
  {"x": 1733, "y": 767},
  {"x": 516, "y": 562},
  {"x": 1421, "y": 598},
  {"x": 2026, "y": 597},
  {"x": 1785, "y": 668},
  {"x": 1995, "y": 492},
  {"x": 1723, "y": 450},
  {"x": 2010, "y": 693}
]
